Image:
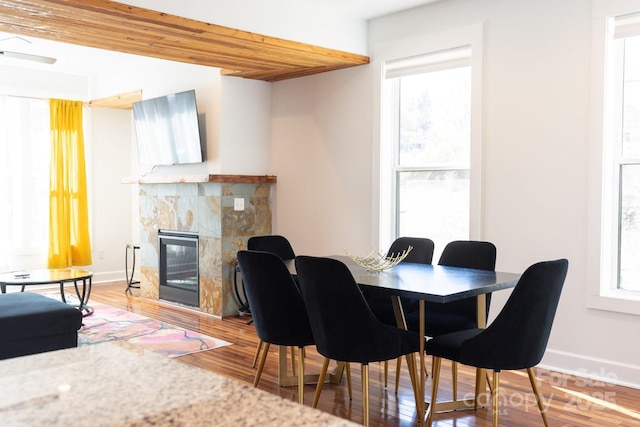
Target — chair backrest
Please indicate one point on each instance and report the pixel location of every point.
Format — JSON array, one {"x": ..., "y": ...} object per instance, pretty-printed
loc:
[
  {"x": 422, "y": 251},
  {"x": 518, "y": 337},
  {"x": 474, "y": 254},
  {"x": 469, "y": 254},
  {"x": 343, "y": 326},
  {"x": 275, "y": 244},
  {"x": 277, "y": 307}
]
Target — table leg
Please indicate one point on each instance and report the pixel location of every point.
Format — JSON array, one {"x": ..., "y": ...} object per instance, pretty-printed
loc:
[
  {"x": 481, "y": 383},
  {"x": 83, "y": 296},
  {"x": 284, "y": 379},
  {"x": 398, "y": 311},
  {"x": 480, "y": 398},
  {"x": 422, "y": 406}
]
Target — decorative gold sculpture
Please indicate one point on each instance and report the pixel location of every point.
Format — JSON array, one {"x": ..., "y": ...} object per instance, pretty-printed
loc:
[{"x": 378, "y": 261}]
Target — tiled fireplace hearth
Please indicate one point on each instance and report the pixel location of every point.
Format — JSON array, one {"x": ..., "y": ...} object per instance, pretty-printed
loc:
[{"x": 203, "y": 205}]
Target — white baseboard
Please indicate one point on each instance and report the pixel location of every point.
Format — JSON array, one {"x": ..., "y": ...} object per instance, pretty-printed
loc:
[
  {"x": 595, "y": 369},
  {"x": 109, "y": 277}
]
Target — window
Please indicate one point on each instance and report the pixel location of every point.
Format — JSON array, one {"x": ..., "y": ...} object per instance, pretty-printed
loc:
[
  {"x": 427, "y": 145},
  {"x": 614, "y": 250},
  {"x": 622, "y": 151},
  {"x": 626, "y": 159},
  {"x": 24, "y": 177}
]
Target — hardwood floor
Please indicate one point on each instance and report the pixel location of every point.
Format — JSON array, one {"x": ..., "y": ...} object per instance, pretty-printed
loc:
[{"x": 571, "y": 401}]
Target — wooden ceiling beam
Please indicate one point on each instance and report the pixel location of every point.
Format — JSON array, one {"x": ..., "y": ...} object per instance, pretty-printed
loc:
[{"x": 124, "y": 28}]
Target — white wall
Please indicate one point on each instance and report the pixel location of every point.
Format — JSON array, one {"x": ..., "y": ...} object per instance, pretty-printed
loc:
[
  {"x": 244, "y": 126},
  {"x": 321, "y": 152},
  {"x": 536, "y": 122},
  {"x": 110, "y": 200}
]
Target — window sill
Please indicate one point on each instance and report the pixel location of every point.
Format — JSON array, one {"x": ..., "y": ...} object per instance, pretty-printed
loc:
[{"x": 620, "y": 302}]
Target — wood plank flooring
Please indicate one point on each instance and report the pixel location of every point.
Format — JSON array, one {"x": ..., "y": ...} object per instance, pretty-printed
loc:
[{"x": 571, "y": 401}]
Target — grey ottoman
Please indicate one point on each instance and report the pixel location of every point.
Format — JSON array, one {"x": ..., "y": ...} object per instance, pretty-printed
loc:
[{"x": 32, "y": 323}]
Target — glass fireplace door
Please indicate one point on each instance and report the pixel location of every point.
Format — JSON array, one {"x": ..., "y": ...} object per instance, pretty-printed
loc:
[{"x": 178, "y": 267}]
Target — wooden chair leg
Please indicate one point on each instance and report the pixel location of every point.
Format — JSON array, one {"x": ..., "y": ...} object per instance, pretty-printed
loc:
[
  {"x": 255, "y": 357},
  {"x": 265, "y": 350},
  {"x": 365, "y": 393},
  {"x": 301, "y": 375},
  {"x": 494, "y": 397},
  {"x": 435, "y": 379},
  {"x": 323, "y": 374},
  {"x": 534, "y": 386}
]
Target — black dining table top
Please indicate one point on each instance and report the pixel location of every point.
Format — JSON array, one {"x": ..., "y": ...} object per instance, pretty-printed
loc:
[{"x": 428, "y": 282}]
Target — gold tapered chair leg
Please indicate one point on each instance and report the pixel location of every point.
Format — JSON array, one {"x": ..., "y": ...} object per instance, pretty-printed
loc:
[
  {"x": 293, "y": 360},
  {"x": 347, "y": 366},
  {"x": 323, "y": 374},
  {"x": 255, "y": 357},
  {"x": 414, "y": 375},
  {"x": 494, "y": 397},
  {"x": 365, "y": 394},
  {"x": 265, "y": 350},
  {"x": 534, "y": 386},
  {"x": 435, "y": 379},
  {"x": 454, "y": 377},
  {"x": 398, "y": 367},
  {"x": 386, "y": 372},
  {"x": 300, "y": 375}
]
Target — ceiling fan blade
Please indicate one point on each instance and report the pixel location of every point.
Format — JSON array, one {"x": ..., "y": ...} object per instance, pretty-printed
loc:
[{"x": 28, "y": 57}]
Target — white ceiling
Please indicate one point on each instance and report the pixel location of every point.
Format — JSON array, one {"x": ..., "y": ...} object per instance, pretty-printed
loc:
[{"x": 366, "y": 9}]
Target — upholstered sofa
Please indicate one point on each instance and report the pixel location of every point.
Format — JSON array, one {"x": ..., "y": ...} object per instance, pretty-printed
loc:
[{"x": 32, "y": 323}]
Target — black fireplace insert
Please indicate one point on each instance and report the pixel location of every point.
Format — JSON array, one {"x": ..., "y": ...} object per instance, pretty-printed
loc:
[{"x": 178, "y": 267}]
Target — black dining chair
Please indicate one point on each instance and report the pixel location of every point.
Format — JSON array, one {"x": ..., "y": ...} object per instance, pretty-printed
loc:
[
  {"x": 457, "y": 315},
  {"x": 380, "y": 302},
  {"x": 277, "y": 307},
  {"x": 344, "y": 328},
  {"x": 280, "y": 246},
  {"x": 516, "y": 339},
  {"x": 275, "y": 244}
]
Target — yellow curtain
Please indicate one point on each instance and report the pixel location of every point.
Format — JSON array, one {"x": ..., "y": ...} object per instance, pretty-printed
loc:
[{"x": 69, "y": 242}]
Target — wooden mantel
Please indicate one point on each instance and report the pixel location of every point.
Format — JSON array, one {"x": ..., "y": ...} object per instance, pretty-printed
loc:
[
  {"x": 183, "y": 179},
  {"x": 120, "y": 27}
]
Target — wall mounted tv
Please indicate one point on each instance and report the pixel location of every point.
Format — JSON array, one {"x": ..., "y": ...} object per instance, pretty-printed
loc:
[{"x": 167, "y": 130}]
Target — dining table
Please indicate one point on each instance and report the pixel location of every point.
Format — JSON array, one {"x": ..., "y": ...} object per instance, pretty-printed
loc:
[{"x": 434, "y": 283}]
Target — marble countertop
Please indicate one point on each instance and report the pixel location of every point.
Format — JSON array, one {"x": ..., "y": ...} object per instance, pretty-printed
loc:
[{"x": 107, "y": 385}]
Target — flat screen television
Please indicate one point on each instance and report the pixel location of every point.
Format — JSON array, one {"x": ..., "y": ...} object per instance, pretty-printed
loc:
[{"x": 167, "y": 131}]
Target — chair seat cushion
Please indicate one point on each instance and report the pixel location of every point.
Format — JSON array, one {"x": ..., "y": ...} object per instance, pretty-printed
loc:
[
  {"x": 25, "y": 315},
  {"x": 448, "y": 345},
  {"x": 440, "y": 323}
]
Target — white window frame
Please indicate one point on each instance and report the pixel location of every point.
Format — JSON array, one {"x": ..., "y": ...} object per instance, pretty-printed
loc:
[
  {"x": 472, "y": 37},
  {"x": 602, "y": 292}
]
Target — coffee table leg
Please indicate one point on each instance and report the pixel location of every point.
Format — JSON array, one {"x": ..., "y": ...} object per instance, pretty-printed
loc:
[{"x": 84, "y": 296}]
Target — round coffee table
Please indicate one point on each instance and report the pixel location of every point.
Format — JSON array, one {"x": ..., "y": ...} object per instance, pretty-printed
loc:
[{"x": 81, "y": 280}]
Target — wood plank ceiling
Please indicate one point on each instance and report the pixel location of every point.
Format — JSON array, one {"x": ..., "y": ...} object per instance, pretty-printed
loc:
[{"x": 124, "y": 28}]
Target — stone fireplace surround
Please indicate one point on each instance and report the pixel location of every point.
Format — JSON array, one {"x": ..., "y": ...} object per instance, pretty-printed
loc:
[{"x": 203, "y": 204}]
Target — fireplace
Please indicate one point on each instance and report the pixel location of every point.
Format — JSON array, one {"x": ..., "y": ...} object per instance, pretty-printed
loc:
[{"x": 178, "y": 267}]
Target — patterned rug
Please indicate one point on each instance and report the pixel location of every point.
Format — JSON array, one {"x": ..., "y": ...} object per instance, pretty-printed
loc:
[{"x": 112, "y": 324}]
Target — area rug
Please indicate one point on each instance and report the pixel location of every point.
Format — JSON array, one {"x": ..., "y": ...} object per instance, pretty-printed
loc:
[{"x": 111, "y": 324}]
